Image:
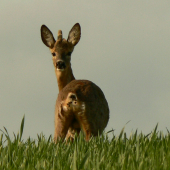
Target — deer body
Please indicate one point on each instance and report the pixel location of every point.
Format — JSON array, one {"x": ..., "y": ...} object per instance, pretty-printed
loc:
[{"x": 80, "y": 104}]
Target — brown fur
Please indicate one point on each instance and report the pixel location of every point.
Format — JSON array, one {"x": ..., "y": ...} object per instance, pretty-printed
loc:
[
  {"x": 88, "y": 106},
  {"x": 80, "y": 103}
]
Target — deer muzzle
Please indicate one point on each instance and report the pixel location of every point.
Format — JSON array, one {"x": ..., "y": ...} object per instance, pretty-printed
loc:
[{"x": 60, "y": 65}]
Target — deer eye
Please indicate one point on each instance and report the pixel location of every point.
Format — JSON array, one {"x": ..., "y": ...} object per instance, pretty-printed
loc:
[{"x": 53, "y": 54}]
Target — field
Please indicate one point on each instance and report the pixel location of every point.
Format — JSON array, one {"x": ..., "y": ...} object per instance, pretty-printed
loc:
[{"x": 138, "y": 152}]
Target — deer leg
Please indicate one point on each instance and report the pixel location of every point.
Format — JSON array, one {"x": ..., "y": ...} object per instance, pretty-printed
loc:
[
  {"x": 73, "y": 129},
  {"x": 63, "y": 121},
  {"x": 84, "y": 123}
]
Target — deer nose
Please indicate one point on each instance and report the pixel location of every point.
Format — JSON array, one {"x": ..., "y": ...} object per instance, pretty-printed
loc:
[{"x": 60, "y": 65}]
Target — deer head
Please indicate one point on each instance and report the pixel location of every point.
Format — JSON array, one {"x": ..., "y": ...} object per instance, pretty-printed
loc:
[{"x": 61, "y": 50}]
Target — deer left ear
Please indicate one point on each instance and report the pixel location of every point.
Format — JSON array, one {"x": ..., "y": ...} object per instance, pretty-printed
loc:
[
  {"x": 47, "y": 36},
  {"x": 74, "y": 34}
]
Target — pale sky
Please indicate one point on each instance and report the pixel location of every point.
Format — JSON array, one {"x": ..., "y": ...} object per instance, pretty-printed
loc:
[{"x": 124, "y": 49}]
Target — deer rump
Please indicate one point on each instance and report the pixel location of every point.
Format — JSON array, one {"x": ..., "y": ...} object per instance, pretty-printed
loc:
[{"x": 81, "y": 104}]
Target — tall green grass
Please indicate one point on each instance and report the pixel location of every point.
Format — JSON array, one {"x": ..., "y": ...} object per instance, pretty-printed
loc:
[{"x": 139, "y": 151}]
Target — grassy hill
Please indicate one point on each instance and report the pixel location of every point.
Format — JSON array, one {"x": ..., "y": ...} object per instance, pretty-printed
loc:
[{"x": 139, "y": 151}]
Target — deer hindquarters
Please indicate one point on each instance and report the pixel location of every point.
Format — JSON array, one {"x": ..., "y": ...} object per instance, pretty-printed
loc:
[{"x": 83, "y": 102}]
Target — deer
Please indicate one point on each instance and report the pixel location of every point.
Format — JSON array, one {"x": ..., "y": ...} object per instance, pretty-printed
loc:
[{"x": 80, "y": 104}]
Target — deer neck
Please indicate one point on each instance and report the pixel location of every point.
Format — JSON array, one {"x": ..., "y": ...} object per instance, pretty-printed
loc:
[{"x": 65, "y": 77}]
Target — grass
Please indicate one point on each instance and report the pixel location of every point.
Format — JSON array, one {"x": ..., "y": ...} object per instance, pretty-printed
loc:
[{"x": 138, "y": 152}]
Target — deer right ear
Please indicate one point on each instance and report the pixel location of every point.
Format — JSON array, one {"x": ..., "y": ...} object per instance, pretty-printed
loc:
[
  {"x": 47, "y": 37},
  {"x": 74, "y": 34}
]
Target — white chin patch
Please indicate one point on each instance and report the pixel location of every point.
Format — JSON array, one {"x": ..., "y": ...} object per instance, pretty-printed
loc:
[{"x": 61, "y": 70}]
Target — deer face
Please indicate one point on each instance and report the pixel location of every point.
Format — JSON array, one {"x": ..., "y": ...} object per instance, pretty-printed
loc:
[
  {"x": 61, "y": 53},
  {"x": 61, "y": 49}
]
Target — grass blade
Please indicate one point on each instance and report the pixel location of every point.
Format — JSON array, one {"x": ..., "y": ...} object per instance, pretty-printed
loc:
[
  {"x": 84, "y": 160},
  {"x": 22, "y": 127}
]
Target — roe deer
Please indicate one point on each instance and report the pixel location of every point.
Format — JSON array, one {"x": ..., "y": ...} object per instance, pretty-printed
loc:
[{"x": 80, "y": 103}]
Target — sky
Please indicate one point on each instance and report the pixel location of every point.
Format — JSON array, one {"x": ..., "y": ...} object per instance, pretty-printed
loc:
[{"x": 124, "y": 49}]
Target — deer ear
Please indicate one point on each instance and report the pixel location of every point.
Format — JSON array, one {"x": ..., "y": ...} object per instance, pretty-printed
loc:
[
  {"x": 74, "y": 34},
  {"x": 47, "y": 37}
]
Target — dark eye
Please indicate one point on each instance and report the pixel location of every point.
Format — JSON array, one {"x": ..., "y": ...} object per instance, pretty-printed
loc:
[
  {"x": 53, "y": 54},
  {"x": 69, "y": 53}
]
